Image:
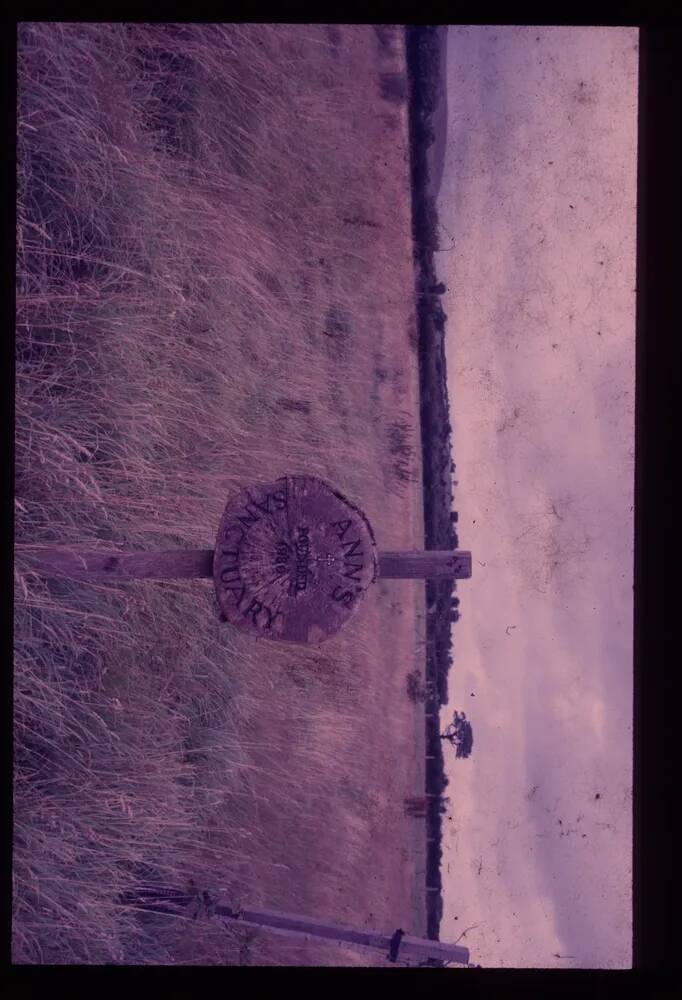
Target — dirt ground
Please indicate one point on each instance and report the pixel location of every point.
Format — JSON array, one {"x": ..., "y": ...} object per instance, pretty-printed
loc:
[{"x": 215, "y": 287}]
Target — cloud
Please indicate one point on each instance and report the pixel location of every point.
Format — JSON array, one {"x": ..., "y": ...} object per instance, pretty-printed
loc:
[{"x": 540, "y": 357}]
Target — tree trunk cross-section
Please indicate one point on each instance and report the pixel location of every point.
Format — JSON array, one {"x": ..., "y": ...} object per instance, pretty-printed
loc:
[{"x": 293, "y": 559}]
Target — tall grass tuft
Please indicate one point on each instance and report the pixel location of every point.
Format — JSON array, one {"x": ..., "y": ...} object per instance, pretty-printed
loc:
[{"x": 193, "y": 315}]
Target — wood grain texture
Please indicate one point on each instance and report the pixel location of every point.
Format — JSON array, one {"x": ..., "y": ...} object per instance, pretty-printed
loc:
[
  {"x": 294, "y": 925},
  {"x": 293, "y": 560},
  {"x": 198, "y": 564},
  {"x": 175, "y": 902},
  {"x": 95, "y": 565},
  {"x": 426, "y": 565}
]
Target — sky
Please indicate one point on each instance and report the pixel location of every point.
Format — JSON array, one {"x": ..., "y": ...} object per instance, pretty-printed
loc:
[{"x": 537, "y": 207}]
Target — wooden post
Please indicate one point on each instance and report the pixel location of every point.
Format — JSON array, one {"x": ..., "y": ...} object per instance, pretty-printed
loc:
[
  {"x": 176, "y": 564},
  {"x": 425, "y": 565},
  {"x": 302, "y": 928},
  {"x": 308, "y": 927}
]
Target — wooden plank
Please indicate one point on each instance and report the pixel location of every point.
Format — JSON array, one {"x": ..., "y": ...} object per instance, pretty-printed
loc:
[
  {"x": 198, "y": 563},
  {"x": 425, "y": 565},
  {"x": 410, "y": 947},
  {"x": 179, "y": 904},
  {"x": 173, "y": 564}
]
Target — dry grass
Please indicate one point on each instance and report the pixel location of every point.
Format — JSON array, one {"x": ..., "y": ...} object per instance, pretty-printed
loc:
[{"x": 193, "y": 314}]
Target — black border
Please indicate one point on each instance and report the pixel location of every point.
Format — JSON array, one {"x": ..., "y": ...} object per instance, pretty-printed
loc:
[{"x": 658, "y": 378}]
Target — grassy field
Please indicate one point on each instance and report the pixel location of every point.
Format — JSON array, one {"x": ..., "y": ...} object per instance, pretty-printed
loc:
[{"x": 214, "y": 287}]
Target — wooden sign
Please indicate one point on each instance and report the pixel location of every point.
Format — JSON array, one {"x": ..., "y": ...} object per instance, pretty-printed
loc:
[{"x": 293, "y": 560}]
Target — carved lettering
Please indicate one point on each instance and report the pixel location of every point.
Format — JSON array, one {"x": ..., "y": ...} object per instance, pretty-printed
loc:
[
  {"x": 300, "y": 581},
  {"x": 280, "y": 499},
  {"x": 253, "y": 609},
  {"x": 272, "y": 617},
  {"x": 248, "y": 518},
  {"x": 353, "y": 570},
  {"x": 353, "y": 550},
  {"x": 264, "y": 507},
  {"x": 230, "y": 529},
  {"x": 345, "y": 596},
  {"x": 238, "y": 593},
  {"x": 282, "y": 556},
  {"x": 342, "y": 527}
]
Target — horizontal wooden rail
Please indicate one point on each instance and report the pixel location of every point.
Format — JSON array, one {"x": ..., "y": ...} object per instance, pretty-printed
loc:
[
  {"x": 198, "y": 564},
  {"x": 399, "y": 945},
  {"x": 318, "y": 930},
  {"x": 425, "y": 565},
  {"x": 173, "y": 564}
]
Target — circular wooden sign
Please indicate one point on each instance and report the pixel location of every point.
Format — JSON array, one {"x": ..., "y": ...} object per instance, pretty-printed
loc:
[{"x": 292, "y": 560}]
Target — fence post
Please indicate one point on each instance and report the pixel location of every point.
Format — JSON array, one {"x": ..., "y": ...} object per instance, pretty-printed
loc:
[{"x": 307, "y": 928}]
